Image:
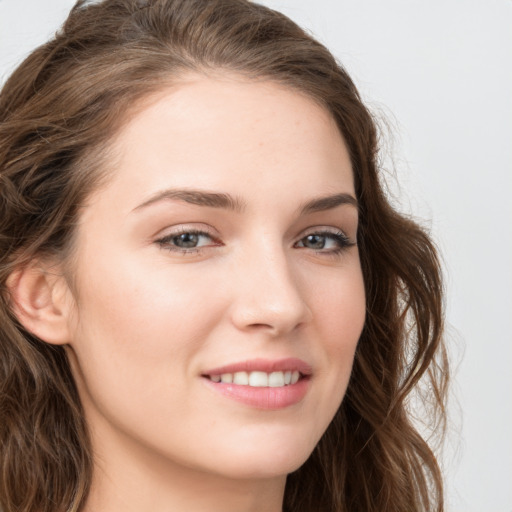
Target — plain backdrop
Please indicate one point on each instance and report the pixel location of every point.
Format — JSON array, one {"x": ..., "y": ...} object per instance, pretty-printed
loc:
[{"x": 440, "y": 72}]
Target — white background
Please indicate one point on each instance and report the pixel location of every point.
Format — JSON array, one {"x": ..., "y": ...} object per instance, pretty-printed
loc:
[{"x": 441, "y": 72}]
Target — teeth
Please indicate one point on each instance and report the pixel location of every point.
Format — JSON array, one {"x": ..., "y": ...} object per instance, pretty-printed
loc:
[
  {"x": 276, "y": 379},
  {"x": 241, "y": 378},
  {"x": 258, "y": 379}
]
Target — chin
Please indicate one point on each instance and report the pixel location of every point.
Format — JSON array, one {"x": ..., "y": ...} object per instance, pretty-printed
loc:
[{"x": 264, "y": 462}]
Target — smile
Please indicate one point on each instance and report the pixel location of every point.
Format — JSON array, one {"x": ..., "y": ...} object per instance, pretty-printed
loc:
[{"x": 261, "y": 383}]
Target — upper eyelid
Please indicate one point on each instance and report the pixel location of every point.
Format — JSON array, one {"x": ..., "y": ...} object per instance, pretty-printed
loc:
[
  {"x": 208, "y": 230},
  {"x": 171, "y": 231},
  {"x": 324, "y": 229},
  {"x": 204, "y": 228}
]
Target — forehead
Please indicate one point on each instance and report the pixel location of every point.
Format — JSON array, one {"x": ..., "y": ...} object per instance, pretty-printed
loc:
[{"x": 230, "y": 132}]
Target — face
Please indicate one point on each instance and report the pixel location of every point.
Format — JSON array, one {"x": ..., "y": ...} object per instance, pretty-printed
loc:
[{"x": 218, "y": 289}]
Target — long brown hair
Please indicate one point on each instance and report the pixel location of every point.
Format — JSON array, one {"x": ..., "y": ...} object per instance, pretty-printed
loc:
[{"x": 59, "y": 111}]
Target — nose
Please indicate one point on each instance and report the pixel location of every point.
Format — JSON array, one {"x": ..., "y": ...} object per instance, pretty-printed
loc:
[{"x": 268, "y": 294}]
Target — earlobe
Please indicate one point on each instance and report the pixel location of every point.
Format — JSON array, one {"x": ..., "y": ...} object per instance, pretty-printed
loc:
[{"x": 40, "y": 301}]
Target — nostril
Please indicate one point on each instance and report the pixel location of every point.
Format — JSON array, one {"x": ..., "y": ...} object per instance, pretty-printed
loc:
[{"x": 260, "y": 326}]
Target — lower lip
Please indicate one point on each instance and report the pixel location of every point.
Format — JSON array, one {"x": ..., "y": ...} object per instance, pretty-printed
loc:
[{"x": 264, "y": 397}]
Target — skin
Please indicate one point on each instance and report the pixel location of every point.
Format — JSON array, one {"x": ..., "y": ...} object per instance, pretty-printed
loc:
[{"x": 148, "y": 319}]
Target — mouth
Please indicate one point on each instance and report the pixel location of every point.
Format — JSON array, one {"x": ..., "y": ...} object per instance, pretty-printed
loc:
[
  {"x": 263, "y": 384},
  {"x": 261, "y": 373}
]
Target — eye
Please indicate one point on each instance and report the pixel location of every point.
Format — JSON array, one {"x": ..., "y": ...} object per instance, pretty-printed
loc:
[
  {"x": 325, "y": 241},
  {"x": 186, "y": 241}
]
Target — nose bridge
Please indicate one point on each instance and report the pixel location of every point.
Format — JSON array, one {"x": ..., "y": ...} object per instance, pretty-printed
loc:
[{"x": 269, "y": 296}]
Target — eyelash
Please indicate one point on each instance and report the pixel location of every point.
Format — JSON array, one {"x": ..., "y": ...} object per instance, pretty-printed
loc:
[{"x": 341, "y": 239}]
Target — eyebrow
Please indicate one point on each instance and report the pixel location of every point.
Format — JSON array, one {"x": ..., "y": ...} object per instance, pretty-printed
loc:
[
  {"x": 228, "y": 202},
  {"x": 328, "y": 202},
  {"x": 197, "y": 197}
]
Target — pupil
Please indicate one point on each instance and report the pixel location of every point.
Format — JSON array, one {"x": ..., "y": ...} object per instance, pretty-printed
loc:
[
  {"x": 186, "y": 240},
  {"x": 316, "y": 241}
]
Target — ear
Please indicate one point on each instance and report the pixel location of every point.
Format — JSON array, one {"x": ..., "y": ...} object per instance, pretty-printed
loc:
[{"x": 42, "y": 302}]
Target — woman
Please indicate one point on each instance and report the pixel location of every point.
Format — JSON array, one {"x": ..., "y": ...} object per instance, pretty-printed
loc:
[{"x": 207, "y": 301}]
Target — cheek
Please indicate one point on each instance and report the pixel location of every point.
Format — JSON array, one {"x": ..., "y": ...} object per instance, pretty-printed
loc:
[
  {"x": 340, "y": 307},
  {"x": 139, "y": 329},
  {"x": 143, "y": 308},
  {"x": 339, "y": 317}
]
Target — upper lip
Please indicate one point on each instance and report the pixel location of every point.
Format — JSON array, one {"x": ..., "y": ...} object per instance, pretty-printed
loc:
[{"x": 263, "y": 365}]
